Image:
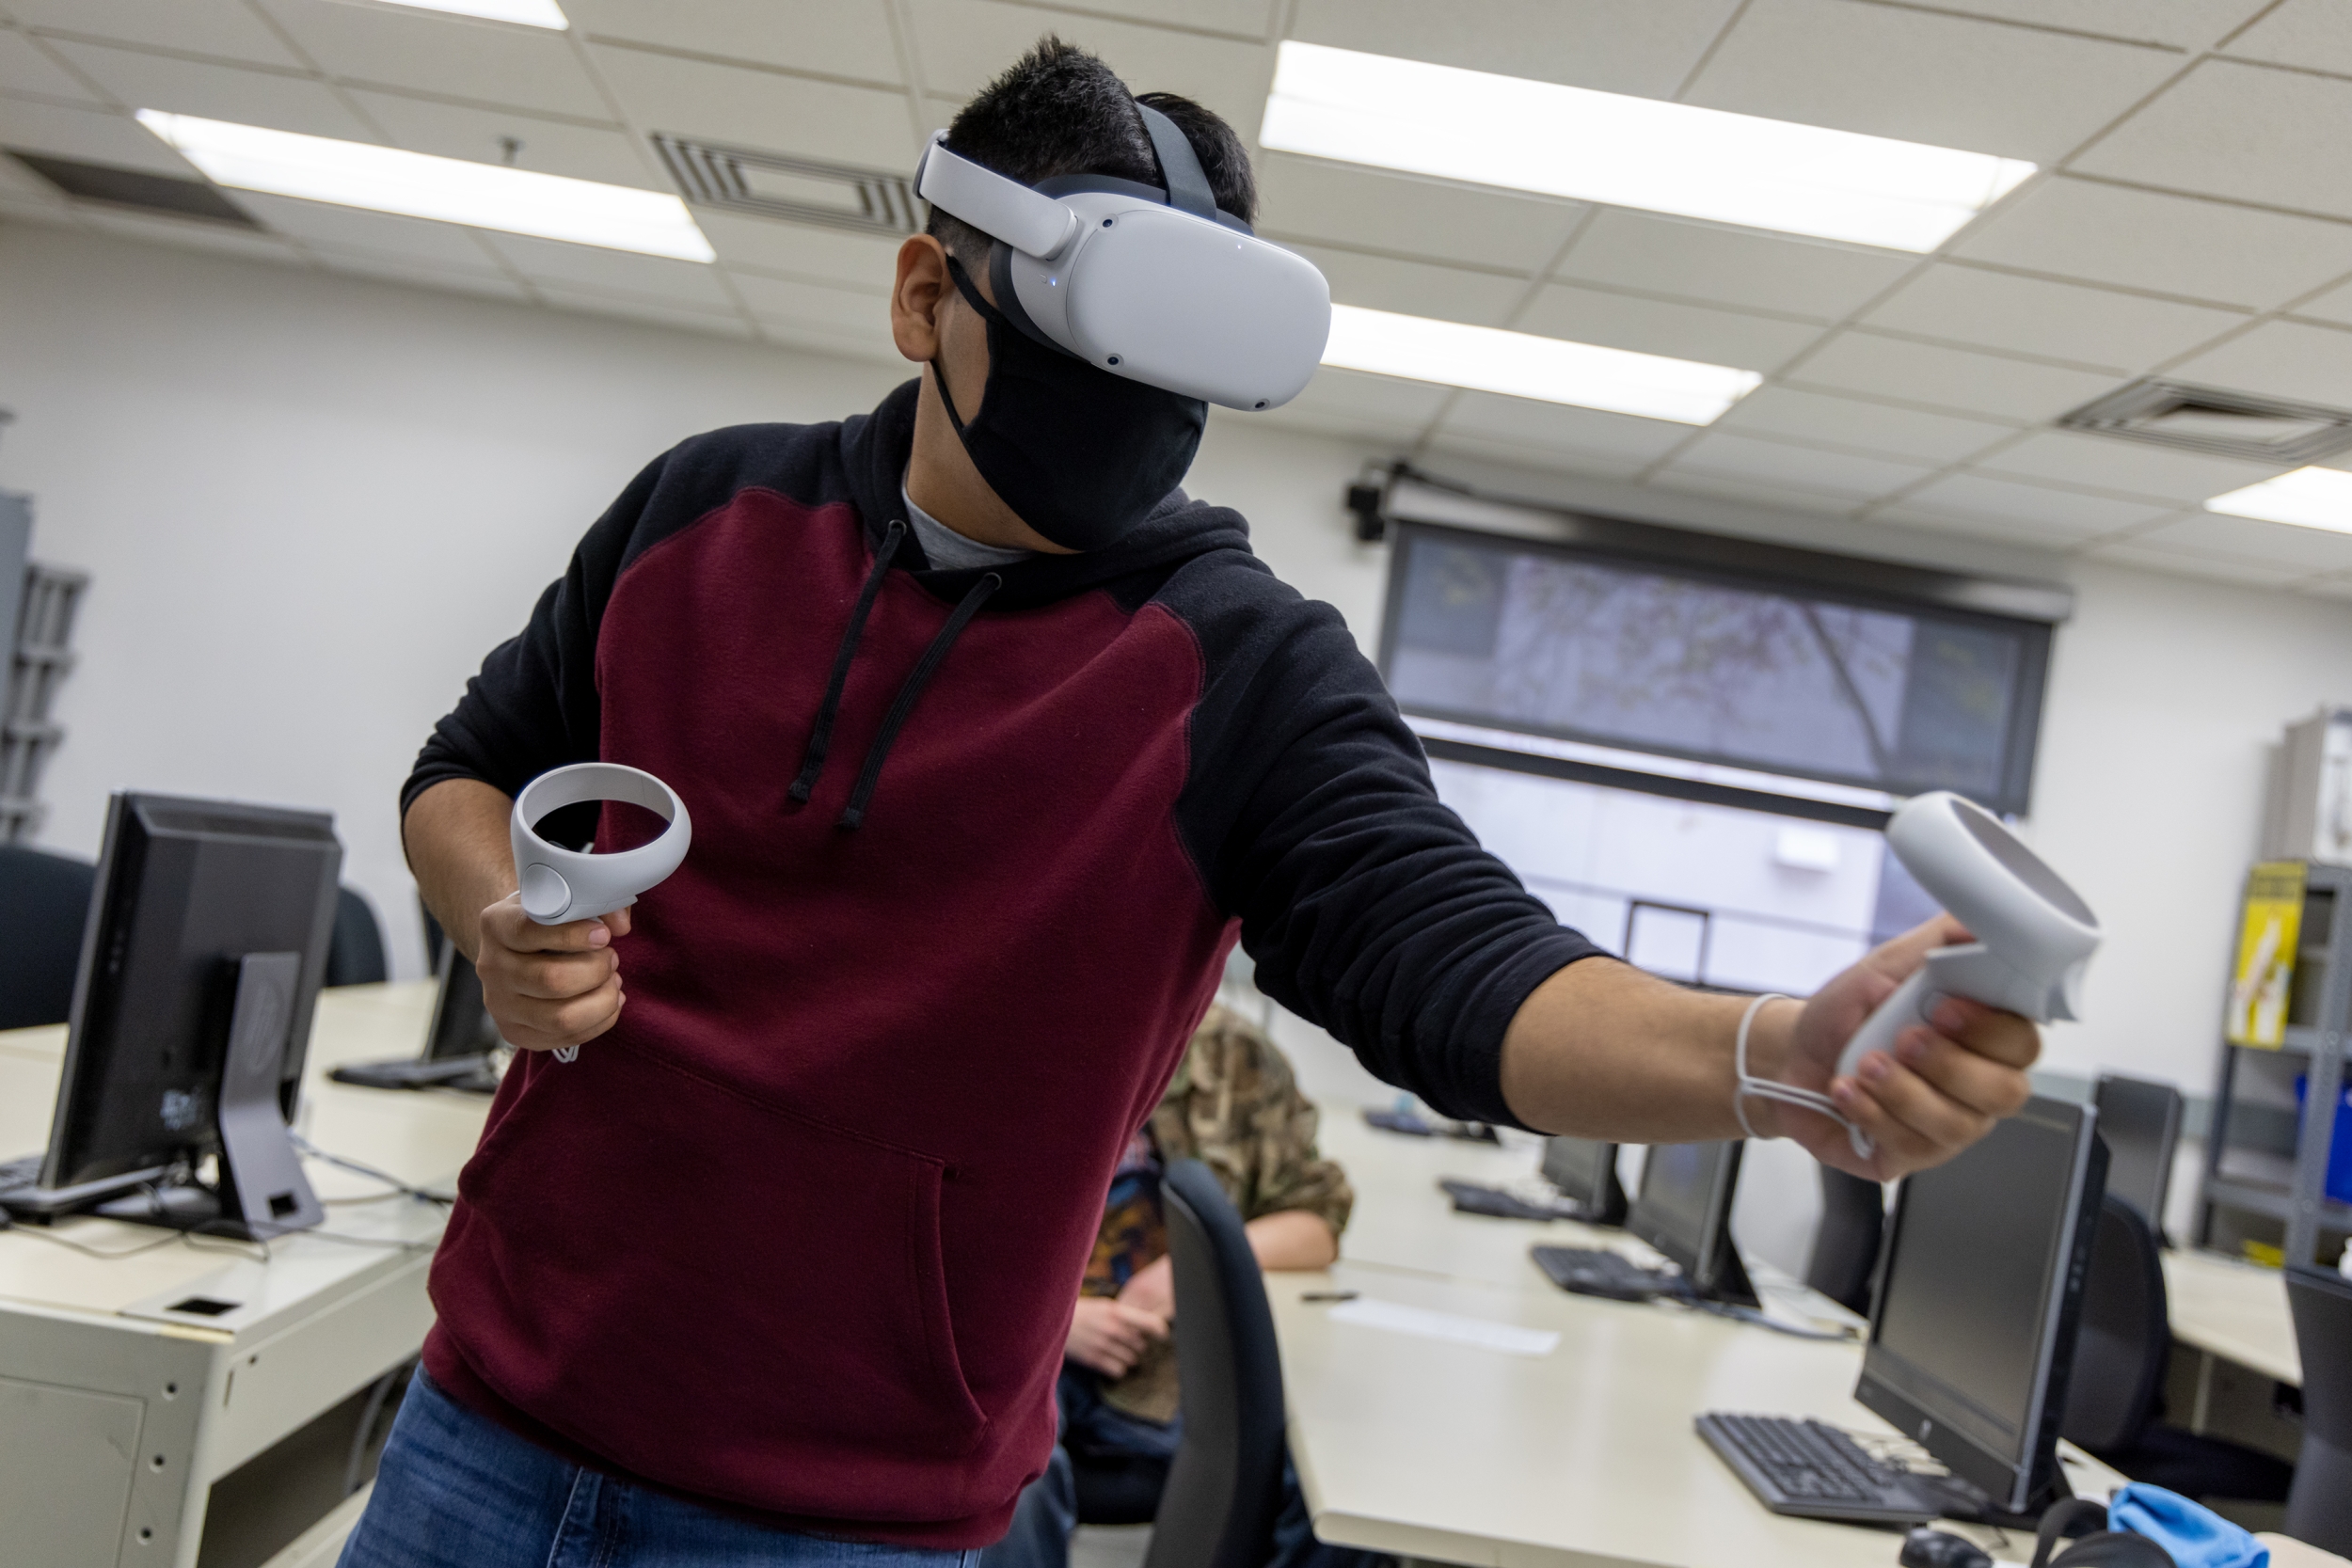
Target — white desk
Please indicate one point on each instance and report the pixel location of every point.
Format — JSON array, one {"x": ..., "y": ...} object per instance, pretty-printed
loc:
[
  {"x": 2232, "y": 1309},
  {"x": 119, "y": 1409},
  {"x": 1581, "y": 1457}
]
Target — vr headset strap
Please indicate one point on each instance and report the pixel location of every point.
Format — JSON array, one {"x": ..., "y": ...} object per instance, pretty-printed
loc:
[{"x": 1180, "y": 166}]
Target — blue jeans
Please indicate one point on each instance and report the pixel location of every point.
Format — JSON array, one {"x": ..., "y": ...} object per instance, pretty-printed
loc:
[{"x": 456, "y": 1491}]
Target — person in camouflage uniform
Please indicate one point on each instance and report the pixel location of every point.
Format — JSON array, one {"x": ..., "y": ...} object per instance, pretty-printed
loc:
[{"x": 1235, "y": 1106}]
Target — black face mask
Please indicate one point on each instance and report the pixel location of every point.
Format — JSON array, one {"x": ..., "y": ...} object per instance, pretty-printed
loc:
[{"x": 1081, "y": 455}]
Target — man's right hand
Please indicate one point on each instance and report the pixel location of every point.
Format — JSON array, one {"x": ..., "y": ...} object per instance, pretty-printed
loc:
[
  {"x": 549, "y": 986},
  {"x": 1109, "y": 1336}
]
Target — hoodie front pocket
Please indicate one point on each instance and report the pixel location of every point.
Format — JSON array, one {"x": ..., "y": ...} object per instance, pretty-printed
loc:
[{"x": 718, "y": 1293}]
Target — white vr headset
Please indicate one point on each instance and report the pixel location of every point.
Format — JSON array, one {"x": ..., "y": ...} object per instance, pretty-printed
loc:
[{"x": 1154, "y": 285}]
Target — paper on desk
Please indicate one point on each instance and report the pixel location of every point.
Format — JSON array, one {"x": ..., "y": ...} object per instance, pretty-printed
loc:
[{"x": 1366, "y": 1312}]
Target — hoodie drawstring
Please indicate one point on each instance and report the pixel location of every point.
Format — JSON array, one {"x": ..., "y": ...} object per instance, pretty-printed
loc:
[
  {"x": 854, "y": 813},
  {"x": 820, "y": 735}
]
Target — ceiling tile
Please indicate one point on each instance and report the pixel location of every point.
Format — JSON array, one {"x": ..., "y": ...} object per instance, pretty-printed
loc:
[
  {"x": 143, "y": 81},
  {"x": 830, "y": 38},
  {"x": 1727, "y": 454},
  {"x": 868, "y": 261},
  {"x": 528, "y": 68},
  {"x": 189, "y": 234},
  {"x": 421, "y": 275},
  {"x": 1853, "y": 423},
  {"x": 1700, "y": 332},
  {"x": 1416, "y": 287},
  {"x": 850, "y": 312},
  {"x": 548, "y": 146},
  {"x": 1755, "y": 492},
  {"x": 2250, "y": 539},
  {"x": 654, "y": 313},
  {"x": 1537, "y": 456},
  {"x": 350, "y": 229},
  {"x": 2245, "y": 131},
  {"x": 24, "y": 69},
  {"x": 1731, "y": 266},
  {"x": 1524, "y": 422},
  {"x": 49, "y": 212},
  {"x": 97, "y": 136},
  {"x": 863, "y": 126},
  {"x": 2032, "y": 506},
  {"x": 594, "y": 268},
  {"x": 1305, "y": 198},
  {"x": 2314, "y": 34},
  {"x": 2334, "y": 306},
  {"x": 2036, "y": 536},
  {"x": 1249, "y": 19},
  {"x": 2212, "y": 568},
  {"x": 2172, "y": 244},
  {"x": 2137, "y": 467},
  {"x": 1340, "y": 398},
  {"x": 1949, "y": 378},
  {"x": 224, "y": 28},
  {"x": 2058, "y": 320},
  {"x": 1949, "y": 81},
  {"x": 1643, "y": 47},
  {"x": 2183, "y": 24},
  {"x": 2286, "y": 359},
  {"x": 963, "y": 43}
]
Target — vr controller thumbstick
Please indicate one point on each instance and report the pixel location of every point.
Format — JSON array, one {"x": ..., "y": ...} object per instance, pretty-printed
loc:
[
  {"x": 2034, "y": 935},
  {"x": 560, "y": 884}
]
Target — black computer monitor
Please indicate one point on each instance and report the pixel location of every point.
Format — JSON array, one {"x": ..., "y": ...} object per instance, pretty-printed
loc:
[
  {"x": 2140, "y": 1122},
  {"x": 1979, "y": 1295},
  {"x": 458, "y": 1043},
  {"x": 1586, "y": 1171},
  {"x": 201, "y": 962},
  {"x": 1683, "y": 1208}
]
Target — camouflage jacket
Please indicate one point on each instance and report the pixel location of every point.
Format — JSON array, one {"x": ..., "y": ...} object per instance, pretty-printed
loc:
[{"x": 1235, "y": 1106}]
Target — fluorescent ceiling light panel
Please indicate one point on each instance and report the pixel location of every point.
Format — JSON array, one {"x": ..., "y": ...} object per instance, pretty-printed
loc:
[
  {"x": 1603, "y": 146},
  {"x": 2307, "y": 497},
  {"x": 1523, "y": 365},
  {"x": 448, "y": 190},
  {"x": 531, "y": 13}
]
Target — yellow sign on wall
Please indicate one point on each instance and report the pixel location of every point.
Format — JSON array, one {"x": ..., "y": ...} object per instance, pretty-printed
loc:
[{"x": 2268, "y": 934}]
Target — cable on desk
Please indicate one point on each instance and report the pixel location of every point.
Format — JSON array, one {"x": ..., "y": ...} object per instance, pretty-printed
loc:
[
  {"x": 101, "y": 1254},
  {"x": 1750, "y": 1315},
  {"x": 338, "y": 1161}
]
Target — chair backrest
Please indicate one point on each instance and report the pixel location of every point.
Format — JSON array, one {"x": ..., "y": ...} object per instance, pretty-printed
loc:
[
  {"x": 355, "y": 954},
  {"x": 44, "y": 902},
  {"x": 1846, "y": 1246},
  {"x": 1224, "y": 1487},
  {"x": 2319, "y": 1506},
  {"x": 2125, "y": 1337}
]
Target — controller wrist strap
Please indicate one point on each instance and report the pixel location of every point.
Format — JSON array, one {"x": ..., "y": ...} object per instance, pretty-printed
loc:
[{"x": 1765, "y": 1088}]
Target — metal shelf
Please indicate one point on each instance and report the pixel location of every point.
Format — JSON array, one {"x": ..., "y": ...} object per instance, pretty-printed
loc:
[{"x": 2273, "y": 1198}]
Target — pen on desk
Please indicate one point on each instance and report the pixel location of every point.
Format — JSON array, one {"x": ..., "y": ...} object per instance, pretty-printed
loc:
[{"x": 1328, "y": 1295}]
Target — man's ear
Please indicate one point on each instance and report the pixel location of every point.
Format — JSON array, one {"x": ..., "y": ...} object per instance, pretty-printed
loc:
[{"x": 917, "y": 296}]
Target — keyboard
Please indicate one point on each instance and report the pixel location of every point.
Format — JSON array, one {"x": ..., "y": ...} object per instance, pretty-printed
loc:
[
  {"x": 21, "y": 1172},
  {"x": 1594, "y": 1272},
  {"x": 1812, "y": 1470},
  {"x": 1473, "y": 1197}
]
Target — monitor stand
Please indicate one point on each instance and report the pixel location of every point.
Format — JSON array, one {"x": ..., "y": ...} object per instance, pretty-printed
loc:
[
  {"x": 1732, "y": 1286},
  {"x": 261, "y": 1191},
  {"x": 1965, "y": 1501}
]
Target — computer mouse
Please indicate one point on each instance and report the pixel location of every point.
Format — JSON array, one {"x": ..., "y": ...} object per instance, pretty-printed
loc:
[{"x": 1936, "y": 1549}]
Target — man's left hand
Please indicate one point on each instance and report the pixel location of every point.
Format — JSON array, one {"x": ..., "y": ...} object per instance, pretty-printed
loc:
[
  {"x": 1153, "y": 1289},
  {"x": 1941, "y": 1090}
]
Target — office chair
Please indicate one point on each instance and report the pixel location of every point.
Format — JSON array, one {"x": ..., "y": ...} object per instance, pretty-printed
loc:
[
  {"x": 1224, "y": 1487},
  {"x": 1846, "y": 1247},
  {"x": 45, "y": 903},
  {"x": 2319, "y": 1507},
  {"x": 2114, "y": 1404},
  {"x": 355, "y": 956}
]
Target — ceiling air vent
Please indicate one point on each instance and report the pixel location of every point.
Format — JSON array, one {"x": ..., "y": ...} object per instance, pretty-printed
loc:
[
  {"x": 2225, "y": 424},
  {"x": 799, "y": 190},
  {"x": 135, "y": 188}
]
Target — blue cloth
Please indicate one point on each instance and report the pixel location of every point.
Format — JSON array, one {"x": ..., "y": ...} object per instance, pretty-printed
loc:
[
  {"x": 2194, "y": 1535},
  {"x": 456, "y": 1491}
]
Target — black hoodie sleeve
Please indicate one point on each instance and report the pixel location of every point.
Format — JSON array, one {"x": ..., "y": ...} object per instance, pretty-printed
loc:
[
  {"x": 1368, "y": 906},
  {"x": 533, "y": 705}
]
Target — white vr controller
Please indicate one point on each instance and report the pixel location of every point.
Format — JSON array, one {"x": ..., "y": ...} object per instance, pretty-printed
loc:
[
  {"x": 1156, "y": 287},
  {"x": 2034, "y": 935},
  {"x": 560, "y": 884}
]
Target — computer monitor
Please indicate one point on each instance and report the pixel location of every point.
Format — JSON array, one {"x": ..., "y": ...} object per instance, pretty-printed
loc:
[
  {"x": 458, "y": 1044},
  {"x": 2140, "y": 1122},
  {"x": 201, "y": 962},
  {"x": 1683, "y": 1208},
  {"x": 1979, "y": 1295},
  {"x": 1586, "y": 1171}
]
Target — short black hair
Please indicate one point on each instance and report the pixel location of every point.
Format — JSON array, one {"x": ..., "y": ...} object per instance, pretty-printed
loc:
[{"x": 1060, "y": 110}]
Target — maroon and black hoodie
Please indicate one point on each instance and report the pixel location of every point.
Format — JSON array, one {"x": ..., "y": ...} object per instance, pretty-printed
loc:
[{"x": 800, "y": 1235}]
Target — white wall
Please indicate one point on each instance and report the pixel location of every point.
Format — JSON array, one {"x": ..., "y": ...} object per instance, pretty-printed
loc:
[{"x": 312, "y": 503}]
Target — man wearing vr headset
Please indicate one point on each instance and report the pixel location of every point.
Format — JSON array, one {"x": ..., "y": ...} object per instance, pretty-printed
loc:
[{"x": 994, "y": 743}]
